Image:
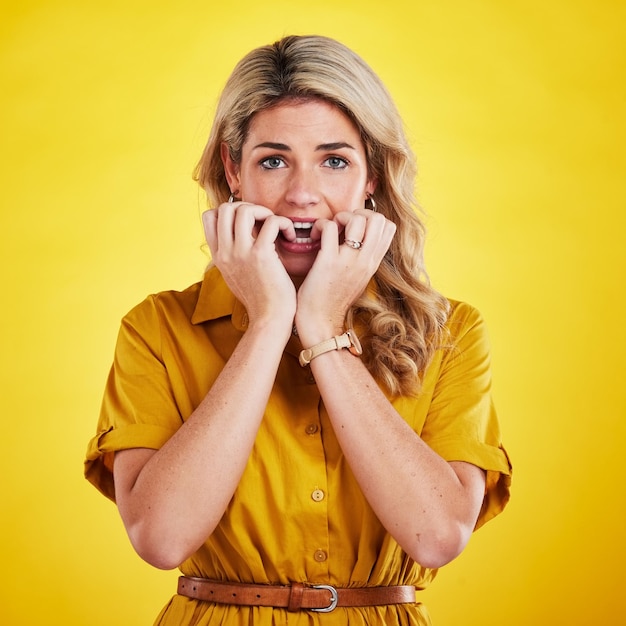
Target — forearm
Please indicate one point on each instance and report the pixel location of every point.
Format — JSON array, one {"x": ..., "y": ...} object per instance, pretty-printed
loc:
[
  {"x": 417, "y": 496},
  {"x": 172, "y": 504}
]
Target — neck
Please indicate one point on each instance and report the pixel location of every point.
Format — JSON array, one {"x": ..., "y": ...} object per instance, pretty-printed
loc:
[{"x": 297, "y": 281}]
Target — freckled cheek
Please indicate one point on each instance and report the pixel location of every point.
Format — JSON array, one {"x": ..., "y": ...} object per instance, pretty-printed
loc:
[
  {"x": 350, "y": 192},
  {"x": 260, "y": 192},
  {"x": 348, "y": 199},
  {"x": 270, "y": 196}
]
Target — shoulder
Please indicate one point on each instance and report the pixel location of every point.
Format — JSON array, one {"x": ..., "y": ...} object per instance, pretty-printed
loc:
[
  {"x": 160, "y": 308},
  {"x": 205, "y": 300},
  {"x": 462, "y": 317},
  {"x": 172, "y": 301},
  {"x": 466, "y": 329}
]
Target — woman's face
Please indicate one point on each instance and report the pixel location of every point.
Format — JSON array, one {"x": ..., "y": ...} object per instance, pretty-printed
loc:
[{"x": 305, "y": 161}]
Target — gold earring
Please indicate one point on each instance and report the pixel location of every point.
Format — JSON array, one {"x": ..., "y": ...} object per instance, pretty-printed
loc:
[{"x": 372, "y": 203}]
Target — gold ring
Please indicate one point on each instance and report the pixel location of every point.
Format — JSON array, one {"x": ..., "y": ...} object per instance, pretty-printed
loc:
[{"x": 355, "y": 245}]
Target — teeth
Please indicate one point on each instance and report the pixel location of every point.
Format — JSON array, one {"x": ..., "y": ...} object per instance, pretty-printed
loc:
[
  {"x": 307, "y": 225},
  {"x": 304, "y": 240}
]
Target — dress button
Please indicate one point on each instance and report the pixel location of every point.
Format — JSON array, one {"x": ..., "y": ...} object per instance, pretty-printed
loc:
[
  {"x": 317, "y": 495},
  {"x": 311, "y": 429},
  {"x": 320, "y": 556},
  {"x": 310, "y": 379}
]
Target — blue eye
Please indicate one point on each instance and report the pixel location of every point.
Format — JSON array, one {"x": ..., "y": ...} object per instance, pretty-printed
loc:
[
  {"x": 272, "y": 163},
  {"x": 336, "y": 163}
]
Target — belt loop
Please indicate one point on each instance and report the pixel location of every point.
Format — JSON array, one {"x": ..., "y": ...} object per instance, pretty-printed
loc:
[{"x": 295, "y": 597}]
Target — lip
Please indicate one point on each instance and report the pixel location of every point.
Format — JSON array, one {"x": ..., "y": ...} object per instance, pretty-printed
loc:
[{"x": 301, "y": 245}]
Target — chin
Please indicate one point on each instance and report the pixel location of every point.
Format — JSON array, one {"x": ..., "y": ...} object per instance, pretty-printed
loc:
[{"x": 298, "y": 268}]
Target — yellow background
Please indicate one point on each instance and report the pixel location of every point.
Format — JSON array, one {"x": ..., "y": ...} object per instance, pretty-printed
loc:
[{"x": 516, "y": 112}]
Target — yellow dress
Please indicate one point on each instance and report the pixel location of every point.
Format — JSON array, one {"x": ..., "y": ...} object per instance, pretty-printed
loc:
[{"x": 298, "y": 514}]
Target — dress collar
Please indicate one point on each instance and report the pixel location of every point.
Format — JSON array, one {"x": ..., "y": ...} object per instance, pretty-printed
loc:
[{"x": 216, "y": 300}]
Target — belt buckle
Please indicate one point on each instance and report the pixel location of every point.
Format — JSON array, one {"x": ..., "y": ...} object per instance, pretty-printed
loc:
[{"x": 334, "y": 598}]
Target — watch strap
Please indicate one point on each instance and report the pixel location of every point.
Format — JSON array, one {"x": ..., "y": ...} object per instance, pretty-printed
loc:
[{"x": 347, "y": 340}]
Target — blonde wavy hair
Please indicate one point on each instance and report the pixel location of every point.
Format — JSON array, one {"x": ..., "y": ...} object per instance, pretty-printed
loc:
[{"x": 401, "y": 318}]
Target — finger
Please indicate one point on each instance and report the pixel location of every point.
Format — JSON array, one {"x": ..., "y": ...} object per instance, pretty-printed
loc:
[
  {"x": 272, "y": 226},
  {"x": 343, "y": 218},
  {"x": 318, "y": 227},
  {"x": 225, "y": 215},
  {"x": 246, "y": 218},
  {"x": 376, "y": 238},
  {"x": 209, "y": 222},
  {"x": 355, "y": 229},
  {"x": 353, "y": 226},
  {"x": 236, "y": 223},
  {"x": 367, "y": 213},
  {"x": 329, "y": 235}
]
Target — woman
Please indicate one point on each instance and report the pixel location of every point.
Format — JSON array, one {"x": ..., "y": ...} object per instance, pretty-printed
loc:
[{"x": 309, "y": 429}]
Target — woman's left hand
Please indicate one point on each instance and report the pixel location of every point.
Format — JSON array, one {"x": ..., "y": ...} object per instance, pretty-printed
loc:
[{"x": 341, "y": 271}]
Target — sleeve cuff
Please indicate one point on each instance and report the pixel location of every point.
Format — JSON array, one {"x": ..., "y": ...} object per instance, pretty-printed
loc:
[{"x": 101, "y": 450}]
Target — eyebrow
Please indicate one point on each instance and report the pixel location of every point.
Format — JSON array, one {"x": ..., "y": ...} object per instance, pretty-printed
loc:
[{"x": 323, "y": 147}]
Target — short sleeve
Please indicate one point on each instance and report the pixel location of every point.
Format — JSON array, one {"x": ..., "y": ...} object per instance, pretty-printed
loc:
[
  {"x": 462, "y": 424},
  {"x": 138, "y": 409}
]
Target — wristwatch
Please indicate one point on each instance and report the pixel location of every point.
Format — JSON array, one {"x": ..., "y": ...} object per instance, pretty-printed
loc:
[{"x": 347, "y": 340}]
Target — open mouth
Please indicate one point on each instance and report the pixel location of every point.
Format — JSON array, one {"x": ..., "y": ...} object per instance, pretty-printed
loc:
[
  {"x": 303, "y": 242},
  {"x": 303, "y": 232}
]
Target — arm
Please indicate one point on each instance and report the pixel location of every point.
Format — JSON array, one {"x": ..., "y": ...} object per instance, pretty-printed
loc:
[
  {"x": 170, "y": 500},
  {"x": 428, "y": 505}
]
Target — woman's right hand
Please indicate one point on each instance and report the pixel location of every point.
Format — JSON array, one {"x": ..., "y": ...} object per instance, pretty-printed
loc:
[{"x": 241, "y": 238}]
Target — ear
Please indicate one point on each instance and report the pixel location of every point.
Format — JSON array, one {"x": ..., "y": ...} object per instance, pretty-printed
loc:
[
  {"x": 231, "y": 169},
  {"x": 370, "y": 188}
]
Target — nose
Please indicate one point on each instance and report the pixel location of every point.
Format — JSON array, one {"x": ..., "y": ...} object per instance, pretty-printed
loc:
[{"x": 302, "y": 189}]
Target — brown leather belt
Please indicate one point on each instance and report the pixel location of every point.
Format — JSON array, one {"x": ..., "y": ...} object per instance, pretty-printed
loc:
[{"x": 294, "y": 597}]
